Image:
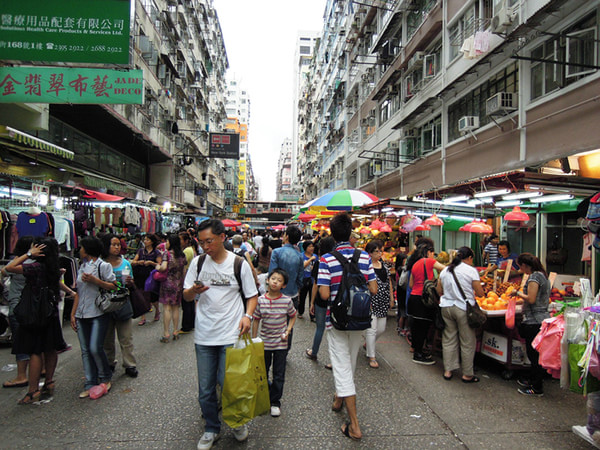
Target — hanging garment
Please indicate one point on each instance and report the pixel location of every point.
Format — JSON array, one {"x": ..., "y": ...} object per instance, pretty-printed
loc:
[{"x": 547, "y": 344}]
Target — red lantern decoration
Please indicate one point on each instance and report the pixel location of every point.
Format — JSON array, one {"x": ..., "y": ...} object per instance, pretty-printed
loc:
[
  {"x": 434, "y": 220},
  {"x": 423, "y": 227},
  {"x": 516, "y": 215}
]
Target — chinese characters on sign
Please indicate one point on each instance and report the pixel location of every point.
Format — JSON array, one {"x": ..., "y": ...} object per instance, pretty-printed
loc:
[
  {"x": 224, "y": 145},
  {"x": 70, "y": 85},
  {"x": 83, "y": 31}
]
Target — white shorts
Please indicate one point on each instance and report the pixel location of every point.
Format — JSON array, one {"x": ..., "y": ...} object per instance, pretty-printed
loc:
[{"x": 343, "y": 350}]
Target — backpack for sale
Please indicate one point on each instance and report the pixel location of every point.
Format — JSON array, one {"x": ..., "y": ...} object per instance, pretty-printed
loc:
[
  {"x": 351, "y": 308},
  {"x": 237, "y": 271}
]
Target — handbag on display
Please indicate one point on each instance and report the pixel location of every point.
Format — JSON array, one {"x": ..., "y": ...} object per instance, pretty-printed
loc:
[{"x": 475, "y": 316}]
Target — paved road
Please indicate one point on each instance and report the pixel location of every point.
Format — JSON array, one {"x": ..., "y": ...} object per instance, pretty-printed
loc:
[{"x": 401, "y": 405}]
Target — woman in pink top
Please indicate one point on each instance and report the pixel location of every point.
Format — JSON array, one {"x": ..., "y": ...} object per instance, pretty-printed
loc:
[{"x": 421, "y": 315}]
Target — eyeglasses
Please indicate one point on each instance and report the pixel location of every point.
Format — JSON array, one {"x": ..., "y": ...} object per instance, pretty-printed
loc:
[{"x": 206, "y": 242}]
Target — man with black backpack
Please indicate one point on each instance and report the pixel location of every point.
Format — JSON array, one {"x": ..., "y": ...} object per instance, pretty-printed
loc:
[
  {"x": 225, "y": 290},
  {"x": 347, "y": 279}
]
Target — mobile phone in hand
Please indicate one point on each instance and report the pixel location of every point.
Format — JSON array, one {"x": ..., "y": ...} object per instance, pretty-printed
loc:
[{"x": 199, "y": 283}]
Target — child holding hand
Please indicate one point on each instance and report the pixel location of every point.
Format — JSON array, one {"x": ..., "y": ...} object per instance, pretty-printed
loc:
[{"x": 272, "y": 312}]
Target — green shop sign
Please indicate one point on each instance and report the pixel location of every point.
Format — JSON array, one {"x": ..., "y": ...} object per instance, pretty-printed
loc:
[
  {"x": 86, "y": 31},
  {"x": 70, "y": 85}
]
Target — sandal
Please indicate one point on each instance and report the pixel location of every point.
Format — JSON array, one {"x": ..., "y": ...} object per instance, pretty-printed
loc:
[
  {"x": 30, "y": 397},
  {"x": 48, "y": 388},
  {"x": 328, "y": 367},
  {"x": 309, "y": 354},
  {"x": 473, "y": 379},
  {"x": 373, "y": 364},
  {"x": 448, "y": 377},
  {"x": 157, "y": 317},
  {"x": 346, "y": 432},
  {"x": 333, "y": 407},
  {"x": 142, "y": 322},
  {"x": 12, "y": 384},
  {"x": 175, "y": 336},
  {"x": 164, "y": 339}
]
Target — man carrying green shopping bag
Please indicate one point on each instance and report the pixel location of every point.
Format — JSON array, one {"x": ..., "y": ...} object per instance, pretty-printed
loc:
[{"x": 220, "y": 319}]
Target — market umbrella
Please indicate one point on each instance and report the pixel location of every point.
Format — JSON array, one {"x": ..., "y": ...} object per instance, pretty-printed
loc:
[
  {"x": 231, "y": 223},
  {"x": 304, "y": 217},
  {"x": 343, "y": 200},
  {"x": 278, "y": 227}
]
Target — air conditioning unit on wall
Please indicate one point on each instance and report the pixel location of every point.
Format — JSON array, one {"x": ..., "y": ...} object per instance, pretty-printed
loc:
[
  {"x": 501, "y": 103},
  {"x": 468, "y": 123},
  {"x": 503, "y": 18}
]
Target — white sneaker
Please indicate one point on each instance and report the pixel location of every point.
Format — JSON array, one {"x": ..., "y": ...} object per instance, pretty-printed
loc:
[
  {"x": 207, "y": 440},
  {"x": 241, "y": 433},
  {"x": 275, "y": 411}
]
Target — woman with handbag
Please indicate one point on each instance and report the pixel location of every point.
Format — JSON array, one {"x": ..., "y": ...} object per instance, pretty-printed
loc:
[
  {"x": 120, "y": 320},
  {"x": 536, "y": 294},
  {"x": 144, "y": 262},
  {"x": 380, "y": 302},
  {"x": 421, "y": 264},
  {"x": 459, "y": 283},
  {"x": 171, "y": 289},
  {"x": 87, "y": 319},
  {"x": 42, "y": 275}
]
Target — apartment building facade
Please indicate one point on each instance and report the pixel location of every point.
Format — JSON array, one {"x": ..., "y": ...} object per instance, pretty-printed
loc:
[
  {"x": 412, "y": 97},
  {"x": 158, "y": 150},
  {"x": 285, "y": 189}
]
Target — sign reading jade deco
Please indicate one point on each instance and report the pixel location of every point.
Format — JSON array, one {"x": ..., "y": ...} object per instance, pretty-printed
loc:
[
  {"x": 224, "y": 145},
  {"x": 70, "y": 85},
  {"x": 88, "y": 31}
]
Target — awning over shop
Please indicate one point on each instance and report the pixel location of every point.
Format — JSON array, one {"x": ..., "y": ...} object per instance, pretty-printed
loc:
[
  {"x": 101, "y": 196},
  {"x": 9, "y": 133}
]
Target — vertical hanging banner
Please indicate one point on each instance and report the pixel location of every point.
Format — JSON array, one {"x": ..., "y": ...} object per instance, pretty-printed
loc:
[
  {"x": 38, "y": 84},
  {"x": 86, "y": 31}
]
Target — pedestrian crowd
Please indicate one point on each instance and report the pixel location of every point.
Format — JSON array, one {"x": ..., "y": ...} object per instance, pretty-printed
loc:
[{"x": 220, "y": 285}]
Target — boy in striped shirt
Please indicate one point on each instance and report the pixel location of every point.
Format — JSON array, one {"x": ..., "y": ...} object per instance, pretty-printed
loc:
[{"x": 272, "y": 312}]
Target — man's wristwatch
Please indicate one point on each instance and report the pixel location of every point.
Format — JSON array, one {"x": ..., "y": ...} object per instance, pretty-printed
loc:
[
  {"x": 29, "y": 254},
  {"x": 248, "y": 316}
]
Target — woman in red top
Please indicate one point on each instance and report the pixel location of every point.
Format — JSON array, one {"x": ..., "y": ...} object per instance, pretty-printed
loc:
[{"x": 421, "y": 315}]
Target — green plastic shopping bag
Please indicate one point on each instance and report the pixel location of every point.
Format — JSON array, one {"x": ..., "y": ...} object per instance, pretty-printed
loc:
[{"x": 246, "y": 389}]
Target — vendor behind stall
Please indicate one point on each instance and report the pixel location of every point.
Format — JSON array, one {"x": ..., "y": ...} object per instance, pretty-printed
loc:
[{"x": 504, "y": 254}]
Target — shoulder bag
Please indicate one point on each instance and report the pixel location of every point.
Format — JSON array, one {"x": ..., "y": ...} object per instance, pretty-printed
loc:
[
  {"x": 112, "y": 300},
  {"x": 475, "y": 316}
]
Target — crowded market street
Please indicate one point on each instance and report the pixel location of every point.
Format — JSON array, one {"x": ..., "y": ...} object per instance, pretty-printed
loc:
[{"x": 401, "y": 404}]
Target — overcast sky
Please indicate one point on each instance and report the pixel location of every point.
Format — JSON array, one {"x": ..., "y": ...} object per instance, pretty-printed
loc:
[{"x": 260, "y": 40}]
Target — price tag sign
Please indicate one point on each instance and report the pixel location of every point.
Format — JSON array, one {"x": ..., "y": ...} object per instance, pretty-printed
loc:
[{"x": 551, "y": 278}]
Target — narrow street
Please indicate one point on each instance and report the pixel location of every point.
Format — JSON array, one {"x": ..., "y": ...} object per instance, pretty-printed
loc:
[{"x": 401, "y": 405}]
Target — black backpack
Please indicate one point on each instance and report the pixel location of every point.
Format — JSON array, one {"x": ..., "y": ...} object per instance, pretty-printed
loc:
[
  {"x": 351, "y": 308},
  {"x": 430, "y": 296},
  {"x": 237, "y": 271}
]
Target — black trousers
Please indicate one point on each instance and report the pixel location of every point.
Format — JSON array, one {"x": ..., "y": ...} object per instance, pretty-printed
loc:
[
  {"x": 305, "y": 291},
  {"x": 188, "y": 315},
  {"x": 277, "y": 359},
  {"x": 536, "y": 372}
]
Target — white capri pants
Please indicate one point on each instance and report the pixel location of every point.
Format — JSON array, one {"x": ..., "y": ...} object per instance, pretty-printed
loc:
[{"x": 343, "y": 350}]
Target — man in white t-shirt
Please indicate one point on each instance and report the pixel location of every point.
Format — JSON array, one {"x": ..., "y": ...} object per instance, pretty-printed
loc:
[{"x": 220, "y": 319}]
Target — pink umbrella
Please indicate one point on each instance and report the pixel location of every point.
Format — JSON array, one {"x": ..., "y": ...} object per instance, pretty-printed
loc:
[
  {"x": 231, "y": 223},
  {"x": 278, "y": 227}
]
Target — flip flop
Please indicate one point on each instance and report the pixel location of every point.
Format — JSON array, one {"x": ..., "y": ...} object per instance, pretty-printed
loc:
[
  {"x": 373, "y": 364},
  {"x": 448, "y": 378},
  {"x": 346, "y": 432},
  {"x": 8, "y": 384},
  {"x": 474, "y": 379}
]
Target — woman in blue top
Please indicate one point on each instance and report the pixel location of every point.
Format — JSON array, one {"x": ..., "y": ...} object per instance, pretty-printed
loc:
[
  {"x": 87, "y": 320},
  {"x": 119, "y": 321},
  {"x": 309, "y": 260}
]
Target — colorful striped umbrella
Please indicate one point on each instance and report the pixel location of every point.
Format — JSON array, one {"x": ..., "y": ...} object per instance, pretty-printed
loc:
[{"x": 343, "y": 200}]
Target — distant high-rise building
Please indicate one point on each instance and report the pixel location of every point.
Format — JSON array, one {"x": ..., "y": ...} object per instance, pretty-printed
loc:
[
  {"x": 285, "y": 189},
  {"x": 238, "y": 119},
  {"x": 305, "y": 45}
]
